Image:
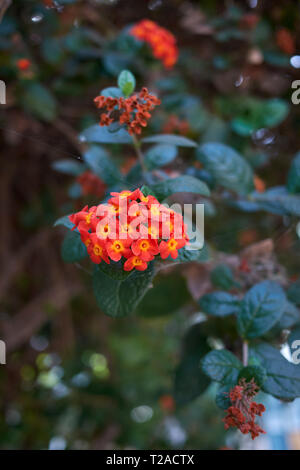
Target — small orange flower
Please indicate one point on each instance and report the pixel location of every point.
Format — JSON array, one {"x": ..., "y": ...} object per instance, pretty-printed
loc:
[
  {"x": 91, "y": 184},
  {"x": 243, "y": 409},
  {"x": 259, "y": 184},
  {"x": 161, "y": 41},
  {"x": 133, "y": 112},
  {"x": 23, "y": 64},
  {"x": 167, "y": 403},
  {"x": 171, "y": 247},
  {"x": 135, "y": 262},
  {"x": 285, "y": 41}
]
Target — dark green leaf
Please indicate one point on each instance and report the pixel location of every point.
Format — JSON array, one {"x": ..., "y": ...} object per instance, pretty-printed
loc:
[
  {"x": 118, "y": 298},
  {"x": 180, "y": 184},
  {"x": 222, "y": 277},
  {"x": 68, "y": 166},
  {"x": 283, "y": 377},
  {"x": 221, "y": 366},
  {"x": 105, "y": 135},
  {"x": 219, "y": 304},
  {"x": 73, "y": 249},
  {"x": 293, "y": 292},
  {"x": 222, "y": 396},
  {"x": 190, "y": 382},
  {"x": 257, "y": 373},
  {"x": 102, "y": 165},
  {"x": 168, "y": 295},
  {"x": 277, "y": 200},
  {"x": 294, "y": 336},
  {"x": 64, "y": 221},
  {"x": 261, "y": 308},
  {"x": 227, "y": 167},
  {"x": 170, "y": 139},
  {"x": 39, "y": 101},
  {"x": 112, "y": 92},
  {"x": 290, "y": 317},
  {"x": 293, "y": 181},
  {"x": 160, "y": 155}
]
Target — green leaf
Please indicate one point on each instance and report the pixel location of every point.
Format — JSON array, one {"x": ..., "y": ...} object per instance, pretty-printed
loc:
[
  {"x": 39, "y": 101},
  {"x": 261, "y": 308},
  {"x": 126, "y": 82},
  {"x": 102, "y": 165},
  {"x": 181, "y": 184},
  {"x": 277, "y": 200},
  {"x": 168, "y": 295},
  {"x": 290, "y": 317},
  {"x": 114, "y": 270},
  {"x": 64, "y": 221},
  {"x": 170, "y": 139},
  {"x": 190, "y": 381},
  {"x": 188, "y": 256},
  {"x": 293, "y": 180},
  {"x": 147, "y": 191},
  {"x": 294, "y": 336},
  {"x": 222, "y": 277},
  {"x": 105, "y": 135},
  {"x": 73, "y": 249},
  {"x": 219, "y": 304},
  {"x": 118, "y": 298},
  {"x": 160, "y": 155},
  {"x": 258, "y": 373},
  {"x": 221, "y": 366},
  {"x": 68, "y": 166},
  {"x": 293, "y": 292},
  {"x": 222, "y": 396},
  {"x": 227, "y": 167},
  {"x": 112, "y": 92},
  {"x": 283, "y": 377}
]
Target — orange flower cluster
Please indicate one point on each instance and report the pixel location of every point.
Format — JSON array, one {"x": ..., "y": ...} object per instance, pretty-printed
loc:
[
  {"x": 132, "y": 111},
  {"x": 176, "y": 125},
  {"x": 91, "y": 184},
  {"x": 243, "y": 411},
  {"x": 285, "y": 41},
  {"x": 130, "y": 226},
  {"x": 23, "y": 64},
  {"x": 161, "y": 41}
]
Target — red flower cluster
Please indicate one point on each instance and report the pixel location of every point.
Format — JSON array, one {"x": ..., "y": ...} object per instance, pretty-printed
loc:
[
  {"x": 176, "y": 125},
  {"x": 132, "y": 111},
  {"x": 161, "y": 41},
  {"x": 91, "y": 184},
  {"x": 243, "y": 411},
  {"x": 23, "y": 64},
  {"x": 285, "y": 41},
  {"x": 132, "y": 226}
]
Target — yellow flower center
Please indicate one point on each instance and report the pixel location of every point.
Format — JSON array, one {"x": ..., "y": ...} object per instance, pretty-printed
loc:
[
  {"x": 117, "y": 246},
  {"x": 144, "y": 246},
  {"x": 98, "y": 250},
  {"x": 172, "y": 244},
  {"x": 88, "y": 218}
]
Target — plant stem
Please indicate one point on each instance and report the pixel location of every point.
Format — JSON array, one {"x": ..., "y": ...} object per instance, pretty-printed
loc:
[
  {"x": 137, "y": 146},
  {"x": 245, "y": 353}
]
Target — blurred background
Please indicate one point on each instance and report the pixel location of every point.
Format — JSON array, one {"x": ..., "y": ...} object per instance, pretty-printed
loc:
[{"x": 75, "y": 378}]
